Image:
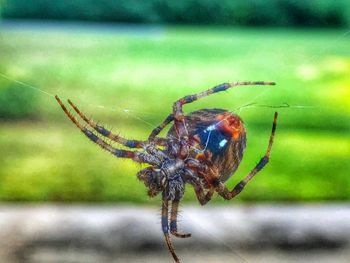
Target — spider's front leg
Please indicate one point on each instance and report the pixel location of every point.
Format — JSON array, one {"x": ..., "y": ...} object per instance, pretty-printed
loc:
[
  {"x": 160, "y": 127},
  {"x": 178, "y": 115}
]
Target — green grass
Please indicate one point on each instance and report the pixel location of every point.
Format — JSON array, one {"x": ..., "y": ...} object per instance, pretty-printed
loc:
[{"x": 44, "y": 157}]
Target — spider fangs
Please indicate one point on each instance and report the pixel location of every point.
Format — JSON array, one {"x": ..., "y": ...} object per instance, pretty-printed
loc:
[{"x": 203, "y": 148}]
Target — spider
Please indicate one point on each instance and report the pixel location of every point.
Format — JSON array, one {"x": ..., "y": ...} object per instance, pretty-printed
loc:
[{"x": 203, "y": 149}]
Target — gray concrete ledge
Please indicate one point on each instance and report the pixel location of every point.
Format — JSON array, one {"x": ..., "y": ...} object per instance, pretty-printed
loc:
[{"x": 54, "y": 233}]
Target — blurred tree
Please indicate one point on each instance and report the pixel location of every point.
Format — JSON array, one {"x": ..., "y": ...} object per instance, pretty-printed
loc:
[
  {"x": 313, "y": 13},
  {"x": 1, "y": 3}
]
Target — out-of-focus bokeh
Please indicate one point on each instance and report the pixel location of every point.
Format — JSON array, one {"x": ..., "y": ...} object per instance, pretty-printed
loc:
[
  {"x": 128, "y": 75},
  {"x": 125, "y": 62}
]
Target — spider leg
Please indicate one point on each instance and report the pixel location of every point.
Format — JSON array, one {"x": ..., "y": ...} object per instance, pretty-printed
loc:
[
  {"x": 165, "y": 226},
  {"x": 136, "y": 156},
  {"x": 173, "y": 220},
  {"x": 160, "y": 127},
  {"x": 179, "y": 118},
  {"x": 227, "y": 194},
  {"x": 192, "y": 178},
  {"x": 201, "y": 196},
  {"x": 114, "y": 137}
]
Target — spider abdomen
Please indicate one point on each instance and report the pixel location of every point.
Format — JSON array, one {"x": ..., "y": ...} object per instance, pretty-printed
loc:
[{"x": 217, "y": 137}]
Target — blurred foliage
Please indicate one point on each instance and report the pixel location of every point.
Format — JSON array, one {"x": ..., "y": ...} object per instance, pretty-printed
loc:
[
  {"x": 313, "y": 13},
  {"x": 16, "y": 101},
  {"x": 1, "y": 6},
  {"x": 144, "y": 72}
]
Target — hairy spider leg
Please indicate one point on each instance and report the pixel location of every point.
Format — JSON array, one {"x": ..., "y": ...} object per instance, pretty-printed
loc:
[
  {"x": 173, "y": 220},
  {"x": 160, "y": 127},
  {"x": 179, "y": 118},
  {"x": 227, "y": 194},
  {"x": 114, "y": 137},
  {"x": 135, "y": 156},
  {"x": 165, "y": 226},
  {"x": 201, "y": 196}
]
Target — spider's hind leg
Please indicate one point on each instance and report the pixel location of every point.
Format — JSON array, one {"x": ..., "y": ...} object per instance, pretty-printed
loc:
[
  {"x": 173, "y": 221},
  {"x": 227, "y": 194},
  {"x": 201, "y": 196},
  {"x": 165, "y": 226}
]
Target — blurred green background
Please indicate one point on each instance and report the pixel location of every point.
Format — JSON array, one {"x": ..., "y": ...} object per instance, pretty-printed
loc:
[{"x": 128, "y": 75}]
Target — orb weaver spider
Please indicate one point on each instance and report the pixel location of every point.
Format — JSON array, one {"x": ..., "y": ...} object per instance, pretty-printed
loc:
[{"x": 203, "y": 149}]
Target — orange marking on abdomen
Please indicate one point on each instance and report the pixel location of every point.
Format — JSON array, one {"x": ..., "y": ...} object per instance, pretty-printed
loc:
[{"x": 230, "y": 124}]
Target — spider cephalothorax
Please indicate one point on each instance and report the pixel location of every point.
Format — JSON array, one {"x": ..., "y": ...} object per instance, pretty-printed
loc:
[{"x": 203, "y": 149}]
